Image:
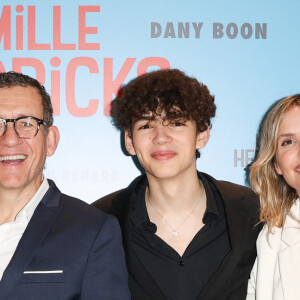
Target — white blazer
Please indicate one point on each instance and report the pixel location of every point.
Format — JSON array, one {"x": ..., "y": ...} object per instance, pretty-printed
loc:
[{"x": 276, "y": 272}]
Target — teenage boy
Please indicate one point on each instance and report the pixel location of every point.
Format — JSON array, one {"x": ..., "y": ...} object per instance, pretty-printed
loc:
[{"x": 186, "y": 235}]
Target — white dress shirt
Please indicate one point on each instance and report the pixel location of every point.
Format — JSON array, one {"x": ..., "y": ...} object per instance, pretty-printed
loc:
[{"x": 11, "y": 232}]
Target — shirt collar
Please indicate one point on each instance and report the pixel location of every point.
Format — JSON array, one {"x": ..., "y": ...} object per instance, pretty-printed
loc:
[
  {"x": 28, "y": 210},
  {"x": 139, "y": 214},
  {"x": 292, "y": 219},
  {"x": 214, "y": 206}
]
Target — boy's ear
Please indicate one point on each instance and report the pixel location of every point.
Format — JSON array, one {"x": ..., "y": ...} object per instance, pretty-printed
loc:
[
  {"x": 202, "y": 138},
  {"x": 129, "y": 142}
]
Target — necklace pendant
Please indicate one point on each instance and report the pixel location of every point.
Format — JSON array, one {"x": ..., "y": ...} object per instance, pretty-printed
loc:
[{"x": 174, "y": 233}]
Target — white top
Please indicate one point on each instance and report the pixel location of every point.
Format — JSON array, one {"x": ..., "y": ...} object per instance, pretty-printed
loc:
[
  {"x": 276, "y": 272},
  {"x": 11, "y": 232}
]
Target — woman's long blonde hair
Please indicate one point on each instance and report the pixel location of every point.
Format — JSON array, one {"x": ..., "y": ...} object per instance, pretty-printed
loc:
[{"x": 276, "y": 196}]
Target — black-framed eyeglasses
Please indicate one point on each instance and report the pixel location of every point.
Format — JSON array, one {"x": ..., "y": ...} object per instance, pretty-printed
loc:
[{"x": 25, "y": 127}]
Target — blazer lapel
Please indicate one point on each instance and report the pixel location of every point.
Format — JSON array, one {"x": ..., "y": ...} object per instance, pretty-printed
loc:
[
  {"x": 236, "y": 217},
  {"x": 123, "y": 203},
  {"x": 40, "y": 224},
  {"x": 216, "y": 282},
  {"x": 267, "y": 250},
  {"x": 289, "y": 257},
  {"x": 144, "y": 279}
]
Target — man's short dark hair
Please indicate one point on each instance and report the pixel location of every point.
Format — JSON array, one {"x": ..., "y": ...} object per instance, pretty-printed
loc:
[
  {"x": 12, "y": 79},
  {"x": 168, "y": 91}
]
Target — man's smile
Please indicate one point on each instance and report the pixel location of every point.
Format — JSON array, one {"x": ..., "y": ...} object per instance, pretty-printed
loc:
[{"x": 12, "y": 159}]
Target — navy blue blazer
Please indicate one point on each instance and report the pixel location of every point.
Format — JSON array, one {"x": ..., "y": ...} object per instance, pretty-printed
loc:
[{"x": 69, "y": 250}]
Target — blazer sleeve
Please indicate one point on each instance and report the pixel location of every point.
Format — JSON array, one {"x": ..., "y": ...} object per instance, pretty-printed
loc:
[{"x": 106, "y": 275}]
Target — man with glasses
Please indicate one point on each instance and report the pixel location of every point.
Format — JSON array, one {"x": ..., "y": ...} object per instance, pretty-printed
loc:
[{"x": 52, "y": 246}]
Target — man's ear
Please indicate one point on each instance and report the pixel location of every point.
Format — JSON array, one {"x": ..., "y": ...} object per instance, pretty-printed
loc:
[
  {"x": 52, "y": 140},
  {"x": 129, "y": 142},
  {"x": 202, "y": 138}
]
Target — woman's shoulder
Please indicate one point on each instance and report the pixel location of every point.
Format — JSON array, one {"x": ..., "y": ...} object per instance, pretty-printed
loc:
[{"x": 269, "y": 239}]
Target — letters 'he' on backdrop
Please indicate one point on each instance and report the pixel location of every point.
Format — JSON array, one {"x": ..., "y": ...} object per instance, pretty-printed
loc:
[{"x": 246, "y": 52}]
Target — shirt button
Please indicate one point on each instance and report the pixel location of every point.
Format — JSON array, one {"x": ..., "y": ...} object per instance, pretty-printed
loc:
[{"x": 181, "y": 263}]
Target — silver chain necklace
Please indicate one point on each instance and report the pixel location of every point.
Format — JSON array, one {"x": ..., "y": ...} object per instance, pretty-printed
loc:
[{"x": 174, "y": 230}]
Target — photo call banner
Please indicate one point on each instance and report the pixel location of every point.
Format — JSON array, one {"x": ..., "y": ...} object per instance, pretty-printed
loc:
[{"x": 246, "y": 52}]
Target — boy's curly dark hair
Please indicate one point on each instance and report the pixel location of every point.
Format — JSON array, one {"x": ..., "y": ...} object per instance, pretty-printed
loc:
[{"x": 168, "y": 91}]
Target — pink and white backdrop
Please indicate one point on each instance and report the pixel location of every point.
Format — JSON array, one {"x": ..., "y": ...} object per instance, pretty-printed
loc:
[{"x": 246, "y": 52}]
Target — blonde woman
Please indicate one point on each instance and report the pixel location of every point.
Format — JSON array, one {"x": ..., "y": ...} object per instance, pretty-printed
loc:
[{"x": 275, "y": 177}]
